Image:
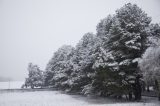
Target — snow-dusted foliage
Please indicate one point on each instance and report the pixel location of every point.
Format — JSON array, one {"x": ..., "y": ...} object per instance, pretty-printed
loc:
[
  {"x": 103, "y": 27},
  {"x": 106, "y": 63},
  {"x": 150, "y": 64},
  {"x": 150, "y": 67},
  {"x": 59, "y": 67},
  {"x": 103, "y": 55},
  {"x": 155, "y": 34},
  {"x": 35, "y": 77},
  {"x": 83, "y": 60},
  {"x": 125, "y": 37}
]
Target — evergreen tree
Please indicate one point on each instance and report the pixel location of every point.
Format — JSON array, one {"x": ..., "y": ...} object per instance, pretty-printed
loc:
[
  {"x": 59, "y": 68},
  {"x": 125, "y": 37},
  {"x": 102, "y": 53},
  {"x": 35, "y": 77},
  {"x": 83, "y": 60},
  {"x": 128, "y": 41},
  {"x": 106, "y": 63}
]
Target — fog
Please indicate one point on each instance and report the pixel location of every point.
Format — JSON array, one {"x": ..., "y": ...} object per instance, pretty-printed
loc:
[{"x": 32, "y": 30}]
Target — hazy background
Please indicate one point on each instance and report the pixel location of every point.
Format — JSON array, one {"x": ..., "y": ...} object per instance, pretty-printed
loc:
[{"x": 32, "y": 30}]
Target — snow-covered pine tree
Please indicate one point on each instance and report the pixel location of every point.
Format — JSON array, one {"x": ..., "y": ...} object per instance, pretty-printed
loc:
[
  {"x": 83, "y": 60},
  {"x": 103, "y": 60},
  {"x": 103, "y": 28},
  {"x": 102, "y": 54},
  {"x": 107, "y": 62},
  {"x": 124, "y": 39},
  {"x": 127, "y": 42},
  {"x": 59, "y": 68}
]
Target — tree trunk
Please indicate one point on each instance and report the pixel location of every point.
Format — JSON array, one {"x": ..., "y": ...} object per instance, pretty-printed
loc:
[
  {"x": 148, "y": 88},
  {"x": 158, "y": 89},
  {"x": 137, "y": 89},
  {"x": 130, "y": 96},
  {"x": 32, "y": 86}
]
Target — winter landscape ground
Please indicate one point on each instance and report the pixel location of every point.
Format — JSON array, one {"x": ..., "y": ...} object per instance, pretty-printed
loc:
[{"x": 56, "y": 98}]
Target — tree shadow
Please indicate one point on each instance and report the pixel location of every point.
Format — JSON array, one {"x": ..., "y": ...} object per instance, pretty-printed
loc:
[{"x": 111, "y": 100}]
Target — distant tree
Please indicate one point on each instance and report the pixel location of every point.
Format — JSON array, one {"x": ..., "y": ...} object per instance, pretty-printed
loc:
[
  {"x": 35, "y": 77},
  {"x": 154, "y": 40},
  {"x": 150, "y": 66},
  {"x": 155, "y": 34}
]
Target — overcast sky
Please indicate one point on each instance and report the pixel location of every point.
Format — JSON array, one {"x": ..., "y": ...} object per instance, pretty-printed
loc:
[{"x": 32, "y": 30}]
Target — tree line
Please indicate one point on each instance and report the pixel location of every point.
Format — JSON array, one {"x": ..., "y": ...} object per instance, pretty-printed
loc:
[{"x": 116, "y": 61}]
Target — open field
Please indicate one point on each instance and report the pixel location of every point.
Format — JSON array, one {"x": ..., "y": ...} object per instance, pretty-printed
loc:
[
  {"x": 11, "y": 85},
  {"x": 49, "y": 97},
  {"x": 56, "y": 98}
]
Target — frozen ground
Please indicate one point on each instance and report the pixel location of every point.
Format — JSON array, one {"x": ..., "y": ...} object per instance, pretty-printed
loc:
[{"x": 55, "y": 98}]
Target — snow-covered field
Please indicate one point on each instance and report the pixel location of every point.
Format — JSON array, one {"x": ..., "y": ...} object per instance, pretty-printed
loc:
[{"x": 55, "y": 98}]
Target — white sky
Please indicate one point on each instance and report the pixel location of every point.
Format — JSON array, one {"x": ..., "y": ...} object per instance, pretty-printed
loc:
[{"x": 31, "y": 30}]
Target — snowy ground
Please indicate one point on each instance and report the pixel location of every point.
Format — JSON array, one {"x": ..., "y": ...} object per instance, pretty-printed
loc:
[{"x": 55, "y": 98}]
